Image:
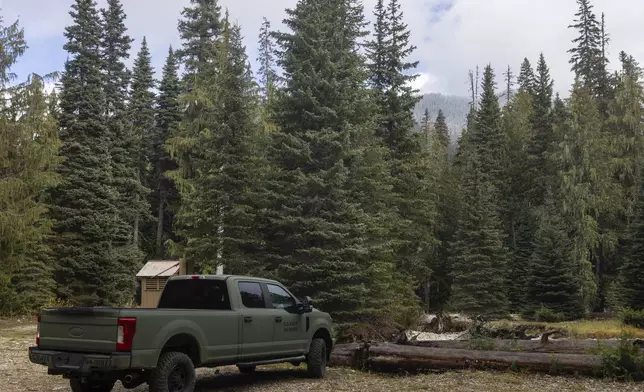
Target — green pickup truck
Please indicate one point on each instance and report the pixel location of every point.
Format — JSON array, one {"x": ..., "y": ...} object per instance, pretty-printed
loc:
[{"x": 200, "y": 321}]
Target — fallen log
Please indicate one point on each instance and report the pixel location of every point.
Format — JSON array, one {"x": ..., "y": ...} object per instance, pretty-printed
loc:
[
  {"x": 551, "y": 346},
  {"x": 392, "y": 357}
]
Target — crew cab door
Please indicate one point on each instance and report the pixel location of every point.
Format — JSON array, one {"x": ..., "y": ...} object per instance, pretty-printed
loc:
[
  {"x": 256, "y": 323},
  {"x": 289, "y": 327}
]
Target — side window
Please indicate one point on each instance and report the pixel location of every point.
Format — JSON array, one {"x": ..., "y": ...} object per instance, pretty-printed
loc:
[
  {"x": 280, "y": 298},
  {"x": 251, "y": 295}
]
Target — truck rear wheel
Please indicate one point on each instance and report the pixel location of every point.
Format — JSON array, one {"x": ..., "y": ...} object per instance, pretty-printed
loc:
[
  {"x": 92, "y": 386},
  {"x": 316, "y": 360},
  {"x": 175, "y": 372}
]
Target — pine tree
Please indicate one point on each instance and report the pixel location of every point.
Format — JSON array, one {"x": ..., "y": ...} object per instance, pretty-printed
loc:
[
  {"x": 551, "y": 283},
  {"x": 478, "y": 254},
  {"x": 141, "y": 121},
  {"x": 125, "y": 255},
  {"x": 586, "y": 56},
  {"x": 266, "y": 60},
  {"x": 310, "y": 226},
  {"x": 28, "y": 158},
  {"x": 509, "y": 83},
  {"x": 442, "y": 132},
  {"x": 199, "y": 28},
  {"x": 438, "y": 287},
  {"x": 487, "y": 138},
  {"x": 225, "y": 159},
  {"x": 542, "y": 134},
  {"x": 395, "y": 100},
  {"x": 12, "y": 46},
  {"x": 624, "y": 129},
  {"x": 526, "y": 79},
  {"x": 632, "y": 270},
  {"x": 165, "y": 196},
  {"x": 27, "y": 172},
  {"x": 388, "y": 54},
  {"x": 517, "y": 217},
  {"x": 426, "y": 128},
  {"x": 581, "y": 162},
  {"x": 83, "y": 205}
]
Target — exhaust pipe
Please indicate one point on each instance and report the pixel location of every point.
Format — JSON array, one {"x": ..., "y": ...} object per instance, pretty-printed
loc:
[{"x": 132, "y": 380}]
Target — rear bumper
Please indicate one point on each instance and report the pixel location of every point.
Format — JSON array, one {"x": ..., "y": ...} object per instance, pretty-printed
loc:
[{"x": 63, "y": 362}]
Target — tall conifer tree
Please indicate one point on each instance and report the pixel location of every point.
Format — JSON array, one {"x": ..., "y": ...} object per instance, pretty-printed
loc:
[
  {"x": 542, "y": 135},
  {"x": 126, "y": 182},
  {"x": 141, "y": 121},
  {"x": 631, "y": 273},
  {"x": 200, "y": 30},
  {"x": 479, "y": 254},
  {"x": 526, "y": 79},
  {"x": 311, "y": 232},
  {"x": 266, "y": 59},
  {"x": 551, "y": 282},
  {"x": 82, "y": 204},
  {"x": 581, "y": 161},
  {"x": 165, "y": 196},
  {"x": 395, "y": 99},
  {"x": 28, "y": 170}
]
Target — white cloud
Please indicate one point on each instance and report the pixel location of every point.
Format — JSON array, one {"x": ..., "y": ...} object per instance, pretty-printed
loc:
[
  {"x": 471, "y": 32},
  {"x": 424, "y": 83}
]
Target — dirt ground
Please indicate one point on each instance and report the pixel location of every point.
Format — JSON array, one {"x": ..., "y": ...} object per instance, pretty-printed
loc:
[{"x": 20, "y": 375}]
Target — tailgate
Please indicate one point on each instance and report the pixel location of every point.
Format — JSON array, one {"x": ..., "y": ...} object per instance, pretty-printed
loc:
[{"x": 79, "y": 329}]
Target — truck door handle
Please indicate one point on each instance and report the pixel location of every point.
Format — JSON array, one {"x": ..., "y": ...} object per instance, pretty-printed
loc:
[
  {"x": 248, "y": 319},
  {"x": 278, "y": 319}
]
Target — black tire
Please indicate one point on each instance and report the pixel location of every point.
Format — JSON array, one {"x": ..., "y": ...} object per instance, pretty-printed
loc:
[
  {"x": 247, "y": 369},
  {"x": 175, "y": 372},
  {"x": 92, "y": 386},
  {"x": 316, "y": 360}
]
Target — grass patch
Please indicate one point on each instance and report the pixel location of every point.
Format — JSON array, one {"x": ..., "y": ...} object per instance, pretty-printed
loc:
[{"x": 586, "y": 329}]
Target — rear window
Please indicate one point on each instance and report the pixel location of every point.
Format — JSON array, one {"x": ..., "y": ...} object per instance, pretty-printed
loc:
[{"x": 195, "y": 294}]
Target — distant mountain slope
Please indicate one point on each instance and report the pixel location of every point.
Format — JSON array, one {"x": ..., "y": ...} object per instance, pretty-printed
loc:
[{"x": 454, "y": 107}]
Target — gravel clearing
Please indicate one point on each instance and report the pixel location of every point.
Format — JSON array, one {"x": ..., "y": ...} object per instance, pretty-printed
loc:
[{"x": 20, "y": 375}]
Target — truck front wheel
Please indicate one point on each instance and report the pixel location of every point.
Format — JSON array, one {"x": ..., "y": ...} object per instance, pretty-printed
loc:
[
  {"x": 92, "y": 386},
  {"x": 316, "y": 360},
  {"x": 175, "y": 372}
]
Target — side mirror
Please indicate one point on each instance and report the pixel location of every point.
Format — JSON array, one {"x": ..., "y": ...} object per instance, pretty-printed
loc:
[{"x": 305, "y": 305}]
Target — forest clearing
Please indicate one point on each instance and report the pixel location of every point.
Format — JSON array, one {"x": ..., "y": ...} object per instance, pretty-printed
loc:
[
  {"x": 304, "y": 162},
  {"x": 22, "y": 376}
]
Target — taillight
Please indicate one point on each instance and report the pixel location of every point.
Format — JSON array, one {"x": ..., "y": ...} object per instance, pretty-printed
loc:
[
  {"x": 126, "y": 328},
  {"x": 38, "y": 331}
]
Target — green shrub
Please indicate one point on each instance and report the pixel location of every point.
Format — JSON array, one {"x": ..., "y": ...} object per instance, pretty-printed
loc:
[
  {"x": 633, "y": 317},
  {"x": 548, "y": 316},
  {"x": 625, "y": 362}
]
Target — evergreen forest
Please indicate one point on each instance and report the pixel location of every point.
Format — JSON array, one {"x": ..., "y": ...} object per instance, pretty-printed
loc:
[{"x": 313, "y": 169}]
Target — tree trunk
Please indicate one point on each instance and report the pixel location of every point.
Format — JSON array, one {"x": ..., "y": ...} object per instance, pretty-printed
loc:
[
  {"x": 160, "y": 215},
  {"x": 392, "y": 357},
  {"x": 529, "y": 346},
  {"x": 135, "y": 235}
]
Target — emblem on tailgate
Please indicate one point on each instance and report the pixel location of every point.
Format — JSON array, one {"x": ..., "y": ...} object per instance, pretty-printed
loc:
[{"x": 76, "y": 332}]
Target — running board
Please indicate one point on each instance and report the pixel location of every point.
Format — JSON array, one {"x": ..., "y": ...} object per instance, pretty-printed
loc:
[{"x": 301, "y": 358}]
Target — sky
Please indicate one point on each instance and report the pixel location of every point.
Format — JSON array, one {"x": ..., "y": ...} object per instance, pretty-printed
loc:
[{"x": 451, "y": 36}]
